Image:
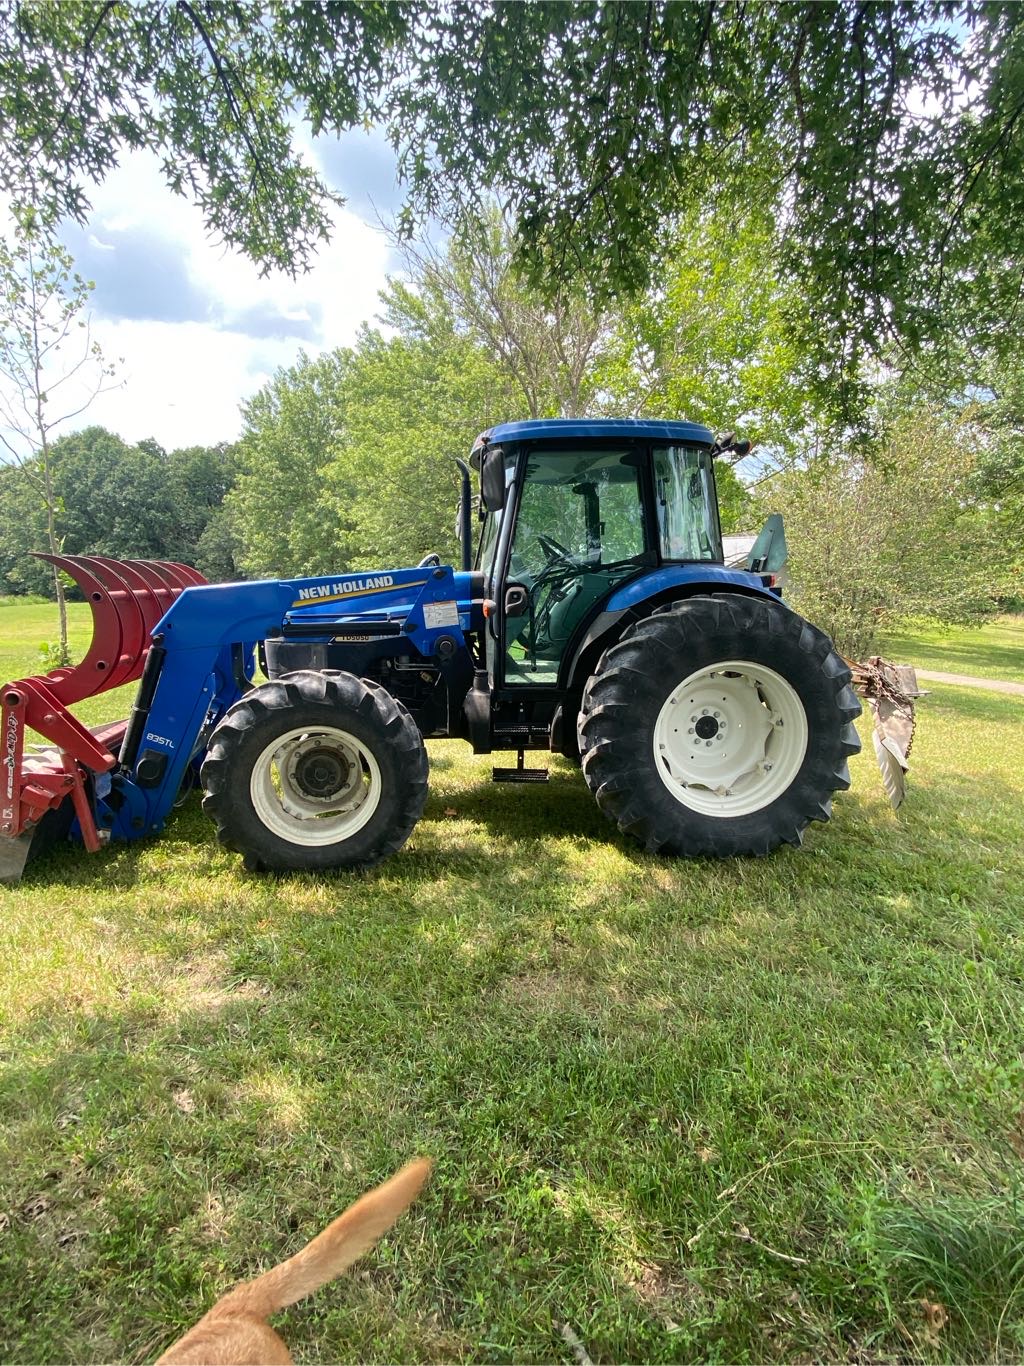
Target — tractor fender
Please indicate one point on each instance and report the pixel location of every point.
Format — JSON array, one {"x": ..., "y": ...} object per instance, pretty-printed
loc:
[{"x": 639, "y": 598}]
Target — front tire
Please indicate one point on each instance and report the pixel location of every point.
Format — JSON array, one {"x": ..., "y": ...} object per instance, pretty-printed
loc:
[
  {"x": 718, "y": 726},
  {"x": 315, "y": 770}
]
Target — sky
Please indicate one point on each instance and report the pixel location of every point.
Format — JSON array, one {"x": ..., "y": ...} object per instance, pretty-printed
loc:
[{"x": 191, "y": 326}]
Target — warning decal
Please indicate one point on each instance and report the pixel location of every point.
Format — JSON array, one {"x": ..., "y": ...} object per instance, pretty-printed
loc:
[{"x": 437, "y": 614}]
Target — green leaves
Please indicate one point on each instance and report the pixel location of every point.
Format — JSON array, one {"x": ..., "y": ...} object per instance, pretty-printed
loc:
[
  {"x": 876, "y": 541},
  {"x": 712, "y": 342},
  {"x": 886, "y": 140}
]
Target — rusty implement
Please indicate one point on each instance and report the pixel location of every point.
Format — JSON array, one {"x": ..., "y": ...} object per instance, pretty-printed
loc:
[
  {"x": 127, "y": 598},
  {"x": 890, "y": 690}
]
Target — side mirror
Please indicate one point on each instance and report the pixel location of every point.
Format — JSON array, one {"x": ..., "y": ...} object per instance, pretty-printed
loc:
[
  {"x": 728, "y": 442},
  {"x": 492, "y": 479}
]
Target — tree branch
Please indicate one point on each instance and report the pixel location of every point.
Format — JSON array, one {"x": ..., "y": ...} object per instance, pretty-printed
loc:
[
  {"x": 79, "y": 84},
  {"x": 224, "y": 77}
]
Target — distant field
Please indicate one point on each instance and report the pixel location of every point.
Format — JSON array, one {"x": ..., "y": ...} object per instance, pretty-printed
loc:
[
  {"x": 24, "y": 629},
  {"x": 995, "y": 650},
  {"x": 763, "y": 1110}
]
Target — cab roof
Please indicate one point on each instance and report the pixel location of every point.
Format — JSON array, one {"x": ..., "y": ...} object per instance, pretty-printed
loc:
[{"x": 589, "y": 428}]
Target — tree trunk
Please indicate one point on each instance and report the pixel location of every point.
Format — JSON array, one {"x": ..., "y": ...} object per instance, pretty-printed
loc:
[{"x": 64, "y": 656}]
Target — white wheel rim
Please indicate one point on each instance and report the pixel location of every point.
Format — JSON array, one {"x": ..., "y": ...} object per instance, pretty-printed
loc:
[
  {"x": 315, "y": 787},
  {"x": 730, "y": 738}
]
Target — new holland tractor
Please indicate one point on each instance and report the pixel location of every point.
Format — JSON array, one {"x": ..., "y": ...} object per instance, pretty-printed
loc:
[{"x": 594, "y": 618}]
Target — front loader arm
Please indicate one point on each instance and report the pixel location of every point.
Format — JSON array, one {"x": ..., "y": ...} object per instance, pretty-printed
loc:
[
  {"x": 193, "y": 646},
  {"x": 198, "y": 679}
]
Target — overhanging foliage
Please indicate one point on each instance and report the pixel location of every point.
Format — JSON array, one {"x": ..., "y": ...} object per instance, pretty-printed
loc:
[{"x": 888, "y": 137}]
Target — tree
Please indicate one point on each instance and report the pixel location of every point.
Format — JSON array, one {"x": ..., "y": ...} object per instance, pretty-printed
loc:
[
  {"x": 887, "y": 137},
  {"x": 346, "y": 461},
  {"x": 547, "y": 344},
  {"x": 198, "y": 479},
  {"x": 735, "y": 505},
  {"x": 292, "y": 430},
  {"x": 218, "y": 550},
  {"x": 22, "y": 530},
  {"x": 877, "y": 538},
  {"x": 126, "y": 501},
  {"x": 358, "y": 447},
  {"x": 115, "y": 498},
  {"x": 710, "y": 342},
  {"x": 999, "y": 408},
  {"x": 44, "y": 346},
  {"x": 413, "y": 402}
]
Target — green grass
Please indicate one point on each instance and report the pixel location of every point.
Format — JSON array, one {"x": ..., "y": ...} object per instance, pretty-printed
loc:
[
  {"x": 994, "y": 650},
  {"x": 752, "y": 1111},
  {"x": 26, "y": 627}
]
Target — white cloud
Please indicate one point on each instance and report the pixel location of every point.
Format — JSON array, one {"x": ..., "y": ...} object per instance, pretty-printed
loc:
[
  {"x": 181, "y": 382},
  {"x": 197, "y": 326}
]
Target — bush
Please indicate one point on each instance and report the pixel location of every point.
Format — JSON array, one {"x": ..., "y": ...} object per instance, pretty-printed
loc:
[{"x": 881, "y": 537}]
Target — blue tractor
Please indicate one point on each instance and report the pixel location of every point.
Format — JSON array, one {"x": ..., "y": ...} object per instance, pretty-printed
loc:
[{"x": 593, "y": 618}]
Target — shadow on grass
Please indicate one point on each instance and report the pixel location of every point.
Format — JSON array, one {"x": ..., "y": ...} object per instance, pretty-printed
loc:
[
  {"x": 155, "y": 1160},
  {"x": 563, "y": 1019},
  {"x": 165, "y": 1159}
]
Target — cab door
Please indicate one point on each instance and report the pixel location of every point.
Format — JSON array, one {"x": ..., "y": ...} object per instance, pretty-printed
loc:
[{"x": 576, "y": 529}]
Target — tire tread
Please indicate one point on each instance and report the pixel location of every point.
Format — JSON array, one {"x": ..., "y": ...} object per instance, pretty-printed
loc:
[
  {"x": 338, "y": 695},
  {"x": 623, "y": 696}
]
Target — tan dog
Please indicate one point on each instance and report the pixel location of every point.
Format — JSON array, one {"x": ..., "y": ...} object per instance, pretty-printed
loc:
[{"x": 236, "y": 1333}]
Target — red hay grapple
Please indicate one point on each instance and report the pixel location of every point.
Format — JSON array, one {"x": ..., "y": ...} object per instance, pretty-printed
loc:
[{"x": 127, "y": 598}]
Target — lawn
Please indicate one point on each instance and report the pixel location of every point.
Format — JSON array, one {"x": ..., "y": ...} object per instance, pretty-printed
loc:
[
  {"x": 752, "y": 1111},
  {"x": 994, "y": 650}
]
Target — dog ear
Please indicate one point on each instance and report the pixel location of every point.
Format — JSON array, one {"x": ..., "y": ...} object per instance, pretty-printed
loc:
[
  {"x": 235, "y": 1329},
  {"x": 333, "y": 1251}
]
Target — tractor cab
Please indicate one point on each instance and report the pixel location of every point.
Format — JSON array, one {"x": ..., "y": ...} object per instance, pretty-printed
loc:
[{"x": 572, "y": 511}]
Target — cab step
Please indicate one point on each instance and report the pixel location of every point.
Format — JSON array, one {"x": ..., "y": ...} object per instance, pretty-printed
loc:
[{"x": 519, "y": 774}]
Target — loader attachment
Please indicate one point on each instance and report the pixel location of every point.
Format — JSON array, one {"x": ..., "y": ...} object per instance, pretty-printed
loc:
[{"x": 127, "y": 599}]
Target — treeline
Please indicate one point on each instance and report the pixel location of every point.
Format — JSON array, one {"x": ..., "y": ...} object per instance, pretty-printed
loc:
[
  {"x": 346, "y": 460},
  {"x": 128, "y": 501}
]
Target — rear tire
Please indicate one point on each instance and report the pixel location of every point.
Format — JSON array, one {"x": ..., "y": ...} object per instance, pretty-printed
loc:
[
  {"x": 315, "y": 770},
  {"x": 718, "y": 726}
]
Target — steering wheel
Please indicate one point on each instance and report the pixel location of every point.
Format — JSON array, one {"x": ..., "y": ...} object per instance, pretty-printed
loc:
[
  {"x": 553, "y": 549},
  {"x": 548, "y": 588}
]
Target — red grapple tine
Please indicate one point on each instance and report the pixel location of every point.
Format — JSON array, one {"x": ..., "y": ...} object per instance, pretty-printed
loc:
[
  {"x": 159, "y": 586},
  {"x": 91, "y": 676},
  {"x": 170, "y": 574},
  {"x": 140, "y": 611},
  {"x": 127, "y": 598},
  {"x": 150, "y": 594},
  {"x": 192, "y": 576}
]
